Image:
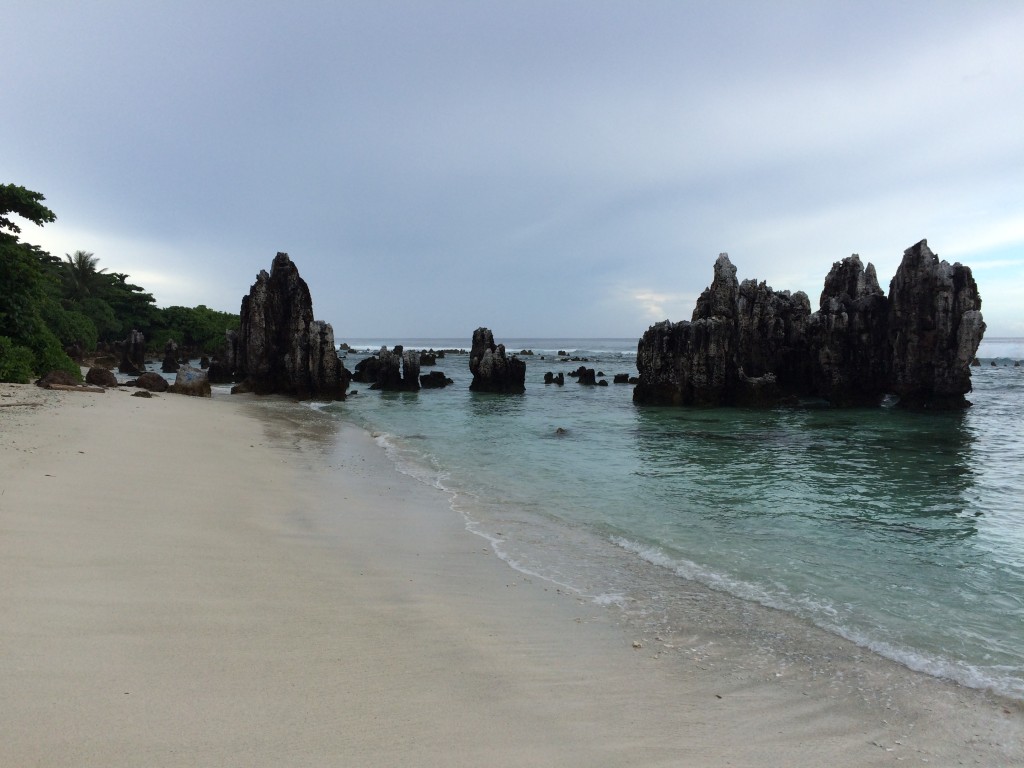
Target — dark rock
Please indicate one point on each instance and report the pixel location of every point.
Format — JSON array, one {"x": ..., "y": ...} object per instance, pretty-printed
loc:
[
  {"x": 101, "y": 377},
  {"x": 935, "y": 328},
  {"x": 59, "y": 378},
  {"x": 397, "y": 370},
  {"x": 603, "y": 383},
  {"x": 133, "y": 354},
  {"x": 142, "y": 393},
  {"x": 550, "y": 378},
  {"x": 749, "y": 345},
  {"x": 280, "y": 347},
  {"x": 191, "y": 381},
  {"x": 435, "y": 380},
  {"x": 152, "y": 381},
  {"x": 170, "y": 363},
  {"x": 492, "y": 370},
  {"x": 585, "y": 376},
  {"x": 204, "y": 362},
  {"x": 427, "y": 359},
  {"x": 621, "y": 378},
  {"x": 366, "y": 370}
]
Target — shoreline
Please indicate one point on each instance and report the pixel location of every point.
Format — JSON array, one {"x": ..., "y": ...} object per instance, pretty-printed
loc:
[{"x": 188, "y": 583}]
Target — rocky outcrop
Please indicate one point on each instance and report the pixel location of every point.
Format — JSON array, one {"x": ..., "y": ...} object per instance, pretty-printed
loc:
[
  {"x": 492, "y": 369},
  {"x": 170, "y": 362},
  {"x": 397, "y": 370},
  {"x": 279, "y": 347},
  {"x": 435, "y": 380},
  {"x": 133, "y": 354},
  {"x": 747, "y": 344},
  {"x": 935, "y": 328}
]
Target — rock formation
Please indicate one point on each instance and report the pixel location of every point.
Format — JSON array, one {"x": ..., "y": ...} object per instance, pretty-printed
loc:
[
  {"x": 435, "y": 380},
  {"x": 492, "y": 370},
  {"x": 279, "y": 347},
  {"x": 133, "y": 354},
  {"x": 749, "y": 345},
  {"x": 397, "y": 370},
  {"x": 170, "y": 362}
]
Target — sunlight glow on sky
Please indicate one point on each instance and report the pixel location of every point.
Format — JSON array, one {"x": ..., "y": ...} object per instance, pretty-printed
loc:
[{"x": 555, "y": 168}]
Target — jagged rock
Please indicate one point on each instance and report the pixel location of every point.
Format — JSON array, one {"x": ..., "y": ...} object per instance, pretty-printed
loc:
[
  {"x": 191, "y": 381},
  {"x": 435, "y": 380},
  {"x": 280, "y": 347},
  {"x": 170, "y": 363},
  {"x": 550, "y": 378},
  {"x": 100, "y": 377},
  {"x": 428, "y": 359},
  {"x": 935, "y": 328},
  {"x": 848, "y": 337},
  {"x": 397, "y": 370},
  {"x": 749, "y": 345},
  {"x": 152, "y": 381},
  {"x": 133, "y": 354},
  {"x": 492, "y": 370},
  {"x": 621, "y": 378},
  {"x": 204, "y": 362},
  {"x": 142, "y": 393}
]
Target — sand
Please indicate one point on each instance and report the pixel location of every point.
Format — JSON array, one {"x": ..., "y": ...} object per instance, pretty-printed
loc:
[{"x": 241, "y": 582}]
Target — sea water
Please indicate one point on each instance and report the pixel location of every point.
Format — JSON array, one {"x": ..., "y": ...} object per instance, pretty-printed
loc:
[{"x": 902, "y": 532}]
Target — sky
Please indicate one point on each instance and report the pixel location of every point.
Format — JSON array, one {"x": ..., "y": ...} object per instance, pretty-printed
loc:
[{"x": 546, "y": 169}]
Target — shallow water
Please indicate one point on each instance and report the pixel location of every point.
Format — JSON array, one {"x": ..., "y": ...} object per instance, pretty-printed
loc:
[{"x": 902, "y": 532}]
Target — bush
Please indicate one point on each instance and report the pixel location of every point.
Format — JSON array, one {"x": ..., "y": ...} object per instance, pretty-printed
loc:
[
  {"x": 16, "y": 363},
  {"x": 71, "y": 327}
]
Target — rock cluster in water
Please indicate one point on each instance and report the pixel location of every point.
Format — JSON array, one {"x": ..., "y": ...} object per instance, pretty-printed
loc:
[
  {"x": 492, "y": 369},
  {"x": 279, "y": 347},
  {"x": 747, "y": 344}
]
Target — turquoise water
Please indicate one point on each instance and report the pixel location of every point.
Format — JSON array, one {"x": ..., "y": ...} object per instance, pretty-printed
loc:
[{"x": 902, "y": 532}]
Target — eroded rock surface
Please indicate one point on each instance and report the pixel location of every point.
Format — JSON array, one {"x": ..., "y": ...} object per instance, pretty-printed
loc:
[{"x": 492, "y": 369}]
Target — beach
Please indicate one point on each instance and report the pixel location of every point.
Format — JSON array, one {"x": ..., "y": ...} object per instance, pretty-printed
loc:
[{"x": 184, "y": 584}]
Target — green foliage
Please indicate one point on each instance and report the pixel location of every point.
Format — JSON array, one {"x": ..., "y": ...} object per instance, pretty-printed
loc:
[
  {"x": 81, "y": 278},
  {"x": 16, "y": 363},
  {"x": 199, "y": 327},
  {"x": 70, "y": 327},
  {"x": 25, "y": 203}
]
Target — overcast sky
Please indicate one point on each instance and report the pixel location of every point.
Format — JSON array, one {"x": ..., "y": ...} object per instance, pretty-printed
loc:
[{"x": 542, "y": 168}]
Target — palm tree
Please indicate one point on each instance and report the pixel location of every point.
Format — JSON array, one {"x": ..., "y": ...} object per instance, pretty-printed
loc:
[{"x": 81, "y": 278}]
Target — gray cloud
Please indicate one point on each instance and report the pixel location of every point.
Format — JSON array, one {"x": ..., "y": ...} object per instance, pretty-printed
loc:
[{"x": 555, "y": 168}]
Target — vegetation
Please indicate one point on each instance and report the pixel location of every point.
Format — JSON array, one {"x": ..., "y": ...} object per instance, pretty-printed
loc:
[{"x": 49, "y": 304}]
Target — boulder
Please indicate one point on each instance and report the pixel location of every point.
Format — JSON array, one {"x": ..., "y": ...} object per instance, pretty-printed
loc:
[
  {"x": 435, "y": 380},
  {"x": 57, "y": 378},
  {"x": 280, "y": 347},
  {"x": 397, "y": 370},
  {"x": 100, "y": 377},
  {"x": 585, "y": 376},
  {"x": 550, "y": 378},
  {"x": 191, "y": 381},
  {"x": 152, "y": 381},
  {"x": 366, "y": 370},
  {"x": 492, "y": 369}
]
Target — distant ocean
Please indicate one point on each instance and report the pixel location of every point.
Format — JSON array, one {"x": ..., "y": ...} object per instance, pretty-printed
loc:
[{"x": 902, "y": 532}]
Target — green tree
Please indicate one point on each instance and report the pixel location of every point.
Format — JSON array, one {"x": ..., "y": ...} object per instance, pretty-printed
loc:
[
  {"x": 27, "y": 287},
  {"x": 82, "y": 279}
]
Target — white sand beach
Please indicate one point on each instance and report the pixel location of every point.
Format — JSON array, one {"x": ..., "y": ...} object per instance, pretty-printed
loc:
[{"x": 182, "y": 583}]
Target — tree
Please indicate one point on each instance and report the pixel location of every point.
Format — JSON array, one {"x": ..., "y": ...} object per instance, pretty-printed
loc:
[
  {"x": 81, "y": 277},
  {"x": 28, "y": 342}
]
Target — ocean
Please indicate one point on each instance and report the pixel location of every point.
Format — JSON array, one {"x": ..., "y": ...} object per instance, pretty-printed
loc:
[{"x": 901, "y": 532}]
